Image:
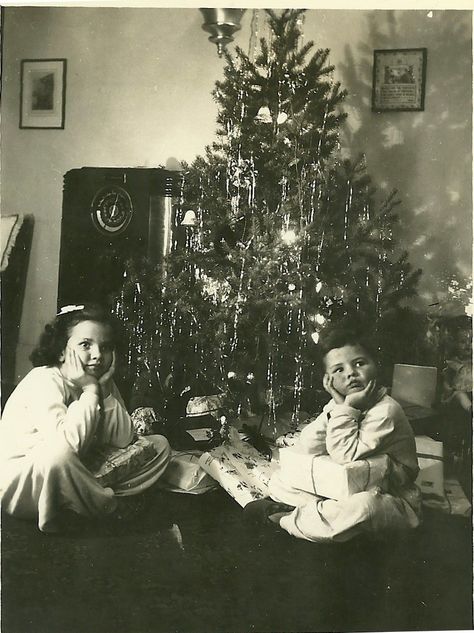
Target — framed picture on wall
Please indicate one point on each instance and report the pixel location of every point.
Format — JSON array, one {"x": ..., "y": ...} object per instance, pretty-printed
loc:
[
  {"x": 43, "y": 93},
  {"x": 399, "y": 80}
]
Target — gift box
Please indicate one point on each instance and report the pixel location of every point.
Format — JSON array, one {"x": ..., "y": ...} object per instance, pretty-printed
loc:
[
  {"x": 240, "y": 469},
  {"x": 322, "y": 476},
  {"x": 430, "y": 479},
  {"x": 454, "y": 500},
  {"x": 185, "y": 474},
  {"x": 204, "y": 405},
  {"x": 111, "y": 465}
]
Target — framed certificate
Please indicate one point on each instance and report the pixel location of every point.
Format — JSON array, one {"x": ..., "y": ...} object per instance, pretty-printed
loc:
[{"x": 399, "y": 80}]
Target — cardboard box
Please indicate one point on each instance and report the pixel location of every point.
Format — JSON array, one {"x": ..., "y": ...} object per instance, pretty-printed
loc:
[
  {"x": 430, "y": 455},
  {"x": 185, "y": 474},
  {"x": 414, "y": 385}
]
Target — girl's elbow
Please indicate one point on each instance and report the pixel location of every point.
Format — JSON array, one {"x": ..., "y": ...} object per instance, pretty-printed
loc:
[{"x": 122, "y": 440}]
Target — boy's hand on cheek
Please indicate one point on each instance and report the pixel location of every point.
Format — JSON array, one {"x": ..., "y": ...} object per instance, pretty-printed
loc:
[
  {"x": 363, "y": 399},
  {"x": 329, "y": 387}
]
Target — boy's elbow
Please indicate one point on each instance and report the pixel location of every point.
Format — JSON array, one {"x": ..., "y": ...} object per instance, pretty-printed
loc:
[{"x": 342, "y": 455}]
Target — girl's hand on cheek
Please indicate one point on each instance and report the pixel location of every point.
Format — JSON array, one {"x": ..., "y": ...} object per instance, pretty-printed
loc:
[
  {"x": 73, "y": 370},
  {"x": 105, "y": 379},
  {"x": 329, "y": 387}
]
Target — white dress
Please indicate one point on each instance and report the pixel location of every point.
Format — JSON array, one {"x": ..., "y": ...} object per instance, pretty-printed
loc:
[{"x": 47, "y": 427}]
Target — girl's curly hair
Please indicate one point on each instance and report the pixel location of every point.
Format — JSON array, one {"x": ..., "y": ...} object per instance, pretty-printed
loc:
[{"x": 55, "y": 336}]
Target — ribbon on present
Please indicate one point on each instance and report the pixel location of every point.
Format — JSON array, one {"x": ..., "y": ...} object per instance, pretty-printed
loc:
[
  {"x": 322, "y": 476},
  {"x": 111, "y": 465},
  {"x": 204, "y": 405}
]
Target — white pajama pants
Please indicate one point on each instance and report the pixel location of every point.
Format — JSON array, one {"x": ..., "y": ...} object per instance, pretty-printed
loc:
[
  {"x": 319, "y": 519},
  {"x": 51, "y": 477}
]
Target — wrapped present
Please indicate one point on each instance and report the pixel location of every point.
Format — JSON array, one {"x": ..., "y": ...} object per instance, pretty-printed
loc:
[
  {"x": 240, "y": 469},
  {"x": 220, "y": 467},
  {"x": 430, "y": 479},
  {"x": 185, "y": 474},
  {"x": 454, "y": 501},
  {"x": 322, "y": 476},
  {"x": 204, "y": 405},
  {"x": 249, "y": 461},
  {"x": 111, "y": 465}
]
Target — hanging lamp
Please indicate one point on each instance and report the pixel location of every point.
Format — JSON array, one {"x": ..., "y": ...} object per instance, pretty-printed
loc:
[{"x": 221, "y": 24}]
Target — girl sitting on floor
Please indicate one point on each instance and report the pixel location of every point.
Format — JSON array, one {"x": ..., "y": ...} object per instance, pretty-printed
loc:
[
  {"x": 361, "y": 421},
  {"x": 66, "y": 406}
]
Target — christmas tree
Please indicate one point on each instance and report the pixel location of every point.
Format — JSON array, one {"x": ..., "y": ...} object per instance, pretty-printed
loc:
[{"x": 287, "y": 237}]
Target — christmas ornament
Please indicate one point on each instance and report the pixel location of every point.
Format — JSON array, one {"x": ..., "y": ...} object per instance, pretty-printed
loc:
[
  {"x": 189, "y": 219},
  {"x": 288, "y": 236},
  {"x": 222, "y": 24},
  {"x": 264, "y": 115}
]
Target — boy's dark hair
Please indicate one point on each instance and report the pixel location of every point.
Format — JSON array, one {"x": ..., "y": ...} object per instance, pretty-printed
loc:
[
  {"x": 55, "y": 336},
  {"x": 346, "y": 333}
]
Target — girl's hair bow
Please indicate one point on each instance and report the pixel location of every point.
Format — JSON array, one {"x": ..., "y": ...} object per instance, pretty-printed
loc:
[{"x": 67, "y": 309}]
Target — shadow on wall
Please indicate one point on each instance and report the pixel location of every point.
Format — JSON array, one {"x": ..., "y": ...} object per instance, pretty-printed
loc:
[{"x": 426, "y": 155}]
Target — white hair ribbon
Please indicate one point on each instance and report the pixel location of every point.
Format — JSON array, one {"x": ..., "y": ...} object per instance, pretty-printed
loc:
[{"x": 71, "y": 308}]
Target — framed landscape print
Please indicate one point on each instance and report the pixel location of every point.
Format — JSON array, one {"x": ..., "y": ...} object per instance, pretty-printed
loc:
[
  {"x": 399, "y": 80},
  {"x": 43, "y": 93}
]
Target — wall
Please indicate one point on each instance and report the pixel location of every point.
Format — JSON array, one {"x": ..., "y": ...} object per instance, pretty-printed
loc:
[
  {"x": 426, "y": 156},
  {"x": 139, "y": 93}
]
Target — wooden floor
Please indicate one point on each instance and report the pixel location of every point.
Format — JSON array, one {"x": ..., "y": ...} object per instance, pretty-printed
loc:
[{"x": 189, "y": 564}]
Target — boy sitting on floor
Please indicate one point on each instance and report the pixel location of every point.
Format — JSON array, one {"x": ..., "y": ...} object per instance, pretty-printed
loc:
[{"x": 359, "y": 422}]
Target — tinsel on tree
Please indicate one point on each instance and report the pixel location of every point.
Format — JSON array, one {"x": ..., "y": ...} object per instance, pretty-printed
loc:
[{"x": 288, "y": 237}]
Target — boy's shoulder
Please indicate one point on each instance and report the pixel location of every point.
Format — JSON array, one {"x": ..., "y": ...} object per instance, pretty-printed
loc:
[{"x": 388, "y": 406}]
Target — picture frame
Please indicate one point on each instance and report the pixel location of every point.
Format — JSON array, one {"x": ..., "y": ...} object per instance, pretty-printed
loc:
[
  {"x": 399, "y": 77},
  {"x": 43, "y": 93}
]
